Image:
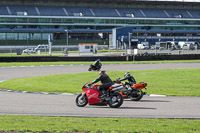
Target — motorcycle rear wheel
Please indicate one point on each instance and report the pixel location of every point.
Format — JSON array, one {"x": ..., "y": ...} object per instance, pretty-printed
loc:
[
  {"x": 115, "y": 101},
  {"x": 81, "y": 101},
  {"x": 137, "y": 96}
]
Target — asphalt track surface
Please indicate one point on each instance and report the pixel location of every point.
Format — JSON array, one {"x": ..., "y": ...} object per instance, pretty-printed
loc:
[{"x": 64, "y": 105}]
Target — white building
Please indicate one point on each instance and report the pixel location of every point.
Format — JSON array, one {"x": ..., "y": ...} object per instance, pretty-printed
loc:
[{"x": 88, "y": 47}]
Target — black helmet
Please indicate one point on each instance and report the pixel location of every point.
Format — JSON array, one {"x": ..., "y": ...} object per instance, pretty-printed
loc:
[
  {"x": 96, "y": 66},
  {"x": 127, "y": 74},
  {"x": 101, "y": 73}
]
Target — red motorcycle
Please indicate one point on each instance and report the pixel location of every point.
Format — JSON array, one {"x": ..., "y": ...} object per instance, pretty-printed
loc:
[{"x": 91, "y": 96}]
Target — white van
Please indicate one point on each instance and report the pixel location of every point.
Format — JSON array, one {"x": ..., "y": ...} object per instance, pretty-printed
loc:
[
  {"x": 142, "y": 46},
  {"x": 181, "y": 44}
]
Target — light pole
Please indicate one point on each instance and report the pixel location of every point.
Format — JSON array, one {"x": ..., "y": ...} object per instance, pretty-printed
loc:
[
  {"x": 50, "y": 45},
  {"x": 67, "y": 36},
  {"x": 122, "y": 42},
  {"x": 129, "y": 35},
  {"x": 27, "y": 45}
]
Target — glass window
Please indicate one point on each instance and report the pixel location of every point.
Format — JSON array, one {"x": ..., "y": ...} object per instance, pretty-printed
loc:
[
  {"x": 56, "y": 20},
  {"x": 33, "y": 20},
  {"x": 45, "y": 36},
  {"x": 2, "y": 36},
  {"x": 87, "y": 47},
  {"x": 45, "y": 20},
  {"x": 23, "y": 36},
  {"x": 10, "y": 20},
  {"x": 21, "y": 20},
  {"x": 67, "y": 20},
  {"x": 36, "y": 36},
  {"x": 12, "y": 36},
  {"x": 2, "y": 19}
]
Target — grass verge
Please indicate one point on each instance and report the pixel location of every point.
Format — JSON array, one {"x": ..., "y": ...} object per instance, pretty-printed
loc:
[
  {"x": 70, "y": 124},
  {"x": 175, "y": 82},
  {"x": 7, "y": 64}
]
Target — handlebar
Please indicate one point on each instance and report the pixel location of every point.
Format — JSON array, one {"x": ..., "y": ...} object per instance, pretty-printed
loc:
[
  {"x": 88, "y": 85},
  {"x": 117, "y": 81}
]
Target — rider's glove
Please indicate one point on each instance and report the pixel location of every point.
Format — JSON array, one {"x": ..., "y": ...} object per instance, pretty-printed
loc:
[
  {"x": 118, "y": 80},
  {"x": 89, "y": 84}
]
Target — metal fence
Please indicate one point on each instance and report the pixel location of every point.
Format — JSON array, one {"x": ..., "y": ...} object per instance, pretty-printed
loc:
[{"x": 73, "y": 50}]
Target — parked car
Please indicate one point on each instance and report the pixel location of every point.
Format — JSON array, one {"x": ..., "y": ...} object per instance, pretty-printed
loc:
[
  {"x": 39, "y": 47},
  {"x": 42, "y": 47},
  {"x": 188, "y": 46},
  {"x": 29, "y": 50}
]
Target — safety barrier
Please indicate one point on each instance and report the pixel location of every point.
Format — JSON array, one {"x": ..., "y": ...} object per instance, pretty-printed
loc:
[
  {"x": 167, "y": 57},
  {"x": 57, "y": 58},
  {"x": 102, "y": 58}
]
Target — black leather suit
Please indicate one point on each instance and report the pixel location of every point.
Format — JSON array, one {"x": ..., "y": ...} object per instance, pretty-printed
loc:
[
  {"x": 130, "y": 79},
  {"x": 105, "y": 80},
  {"x": 96, "y": 66}
]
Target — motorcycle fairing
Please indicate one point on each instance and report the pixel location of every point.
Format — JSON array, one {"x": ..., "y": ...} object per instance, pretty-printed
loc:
[
  {"x": 92, "y": 95},
  {"x": 123, "y": 95},
  {"x": 139, "y": 86}
]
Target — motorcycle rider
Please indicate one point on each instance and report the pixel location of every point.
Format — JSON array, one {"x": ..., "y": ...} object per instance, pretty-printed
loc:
[
  {"x": 106, "y": 83},
  {"x": 96, "y": 66},
  {"x": 131, "y": 79}
]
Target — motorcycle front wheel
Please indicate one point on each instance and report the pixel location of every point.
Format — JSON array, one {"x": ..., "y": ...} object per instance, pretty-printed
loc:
[
  {"x": 115, "y": 101},
  {"x": 81, "y": 100},
  {"x": 137, "y": 95}
]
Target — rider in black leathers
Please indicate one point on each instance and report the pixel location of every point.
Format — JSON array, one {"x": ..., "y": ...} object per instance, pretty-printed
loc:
[
  {"x": 127, "y": 76},
  {"x": 96, "y": 66},
  {"x": 105, "y": 80},
  {"x": 131, "y": 80}
]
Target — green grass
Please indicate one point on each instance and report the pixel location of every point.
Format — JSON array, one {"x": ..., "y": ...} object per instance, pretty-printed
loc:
[
  {"x": 42, "y": 53},
  {"x": 107, "y": 125},
  {"x": 23, "y": 55},
  {"x": 177, "y": 82},
  {"x": 41, "y": 63},
  {"x": 14, "y": 55},
  {"x": 7, "y": 64},
  {"x": 107, "y": 50}
]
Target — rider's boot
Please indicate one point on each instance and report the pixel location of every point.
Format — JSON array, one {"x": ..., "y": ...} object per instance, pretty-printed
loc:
[
  {"x": 129, "y": 87},
  {"x": 102, "y": 95}
]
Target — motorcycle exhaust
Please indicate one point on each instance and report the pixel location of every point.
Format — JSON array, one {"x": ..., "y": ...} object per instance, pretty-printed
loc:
[{"x": 118, "y": 88}]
